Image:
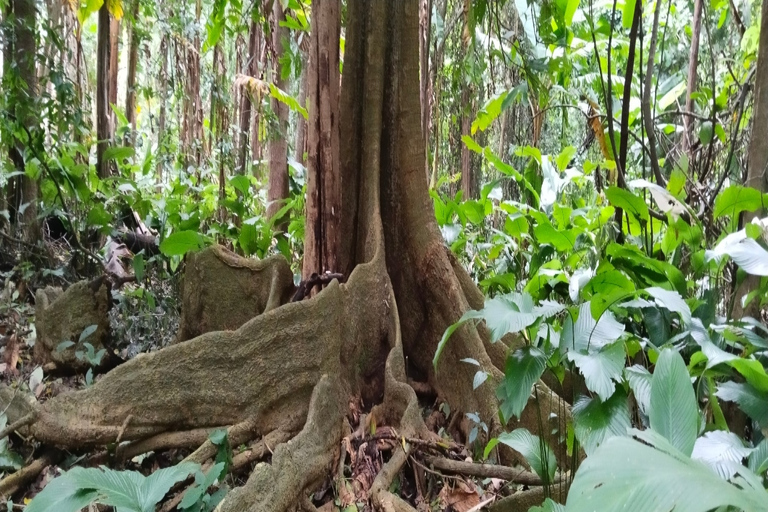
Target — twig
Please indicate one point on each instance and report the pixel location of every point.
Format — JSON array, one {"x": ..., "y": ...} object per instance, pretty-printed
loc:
[{"x": 681, "y": 113}]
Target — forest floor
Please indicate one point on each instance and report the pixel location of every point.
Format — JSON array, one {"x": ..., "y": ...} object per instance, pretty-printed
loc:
[{"x": 438, "y": 476}]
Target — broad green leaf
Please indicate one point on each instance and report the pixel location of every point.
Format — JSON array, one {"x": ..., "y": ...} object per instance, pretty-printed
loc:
[
  {"x": 524, "y": 368},
  {"x": 600, "y": 368},
  {"x": 587, "y": 333},
  {"x": 289, "y": 100},
  {"x": 758, "y": 459},
  {"x": 736, "y": 199},
  {"x": 706, "y": 132},
  {"x": 488, "y": 113},
  {"x": 536, "y": 452},
  {"x": 624, "y": 474},
  {"x": 62, "y": 495},
  {"x": 562, "y": 240},
  {"x": 673, "y": 410},
  {"x": 628, "y": 13},
  {"x": 510, "y": 171},
  {"x": 118, "y": 153},
  {"x": 595, "y": 422},
  {"x": 722, "y": 451},
  {"x": 670, "y": 97},
  {"x": 629, "y": 202},
  {"x": 640, "y": 380},
  {"x": 471, "y": 144},
  {"x": 548, "y": 505},
  {"x": 181, "y": 242},
  {"x": 672, "y": 301},
  {"x": 749, "y": 400}
]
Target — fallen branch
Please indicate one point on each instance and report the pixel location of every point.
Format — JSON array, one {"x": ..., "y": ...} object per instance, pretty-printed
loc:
[
  {"x": 237, "y": 435},
  {"x": 25, "y": 475},
  {"x": 259, "y": 449},
  {"x": 518, "y": 476}
]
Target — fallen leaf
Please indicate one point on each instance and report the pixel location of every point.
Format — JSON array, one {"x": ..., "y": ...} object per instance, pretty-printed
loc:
[{"x": 461, "y": 497}]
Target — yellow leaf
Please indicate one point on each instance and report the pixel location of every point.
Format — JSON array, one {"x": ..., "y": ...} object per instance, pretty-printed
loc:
[
  {"x": 138, "y": 109},
  {"x": 115, "y": 7}
]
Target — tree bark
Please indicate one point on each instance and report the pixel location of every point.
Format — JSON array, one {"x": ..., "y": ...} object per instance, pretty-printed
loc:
[
  {"x": 425, "y": 35},
  {"x": 114, "y": 62},
  {"x": 300, "y": 146},
  {"x": 467, "y": 113},
  {"x": 322, "y": 235},
  {"x": 22, "y": 193},
  {"x": 693, "y": 63},
  {"x": 250, "y": 69},
  {"x": 163, "y": 85},
  {"x": 133, "y": 57},
  {"x": 757, "y": 172},
  {"x": 103, "y": 132},
  {"x": 278, "y": 144}
]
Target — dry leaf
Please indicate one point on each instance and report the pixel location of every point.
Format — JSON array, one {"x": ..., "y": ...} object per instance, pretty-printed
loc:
[{"x": 461, "y": 497}]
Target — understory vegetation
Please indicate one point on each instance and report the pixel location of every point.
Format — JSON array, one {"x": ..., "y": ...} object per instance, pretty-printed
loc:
[{"x": 452, "y": 255}]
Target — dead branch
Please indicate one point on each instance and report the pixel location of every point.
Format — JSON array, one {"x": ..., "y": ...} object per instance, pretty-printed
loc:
[
  {"x": 237, "y": 435},
  {"x": 22, "y": 477},
  {"x": 519, "y": 476},
  {"x": 259, "y": 449}
]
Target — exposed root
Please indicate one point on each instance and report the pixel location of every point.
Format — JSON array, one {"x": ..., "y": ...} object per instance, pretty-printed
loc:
[
  {"x": 258, "y": 450},
  {"x": 164, "y": 441},
  {"x": 301, "y": 463},
  {"x": 27, "y": 474},
  {"x": 237, "y": 435},
  {"x": 16, "y": 425},
  {"x": 380, "y": 495}
]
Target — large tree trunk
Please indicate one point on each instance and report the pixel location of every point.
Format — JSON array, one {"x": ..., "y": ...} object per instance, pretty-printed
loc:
[
  {"x": 163, "y": 79},
  {"x": 425, "y": 34},
  {"x": 467, "y": 113},
  {"x": 324, "y": 206},
  {"x": 299, "y": 364},
  {"x": 20, "y": 74},
  {"x": 757, "y": 174},
  {"x": 278, "y": 143}
]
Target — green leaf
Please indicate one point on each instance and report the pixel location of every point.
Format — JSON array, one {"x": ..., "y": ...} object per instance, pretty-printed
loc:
[
  {"x": 628, "y": 13},
  {"x": 672, "y": 301},
  {"x": 600, "y": 368},
  {"x": 640, "y": 380},
  {"x": 125, "y": 490},
  {"x": 536, "y": 452},
  {"x": 562, "y": 240},
  {"x": 624, "y": 474},
  {"x": 706, "y": 132},
  {"x": 119, "y": 153},
  {"x": 586, "y": 332},
  {"x": 736, "y": 199},
  {"x": 87, "y": 333},
  {"x": 138, "y": 267},
  {"x": 488, "y": 114},
  {"x": 758, "y": 459},
  {"x": 289, "y": 100},
  {"x": 673, "y": 410},
  {"x": 471, "y": 144},
  {"x": 672, "y": 95},
  {"x": 722, "y": 451},
  {"x": 181, "y": 242},
  {"x": 629, "y": 202},
  {"x": 524, "y": 368},
  {"x": 595, "y": 422},
  {"x": 752, "y": 402}
]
